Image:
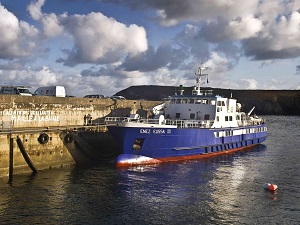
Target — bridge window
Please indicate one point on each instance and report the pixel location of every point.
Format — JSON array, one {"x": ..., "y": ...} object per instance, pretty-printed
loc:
[
  {"x": 178, "y": 101},
  {"x": 192, "y": 116},
  {"x": 213, "y": 102},
  {"x": 177, "y": 116},
  {"x": 205, "y": 101},
  {"x": 221, "y": 103},
  {"x": 198, "y": 101},
  {"x": 192, "y": 101},
  {"x": 228, "y": 118},
  {"x": 184, "y": 101}
]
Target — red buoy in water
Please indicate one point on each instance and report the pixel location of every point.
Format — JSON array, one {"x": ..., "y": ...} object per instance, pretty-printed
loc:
[{"x": 270, "y": 187}]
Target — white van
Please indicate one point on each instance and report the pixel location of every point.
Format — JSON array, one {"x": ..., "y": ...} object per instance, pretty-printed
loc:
[
  {"x": 56, "y": 91},
  {"x": 15, "y": 90}
]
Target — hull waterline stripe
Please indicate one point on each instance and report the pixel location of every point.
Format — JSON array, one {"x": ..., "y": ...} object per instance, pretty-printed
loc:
[{"x": 187, "y": 157}]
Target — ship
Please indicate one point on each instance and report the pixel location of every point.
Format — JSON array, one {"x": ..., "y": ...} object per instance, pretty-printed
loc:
[{"x": 187, "y": 126}]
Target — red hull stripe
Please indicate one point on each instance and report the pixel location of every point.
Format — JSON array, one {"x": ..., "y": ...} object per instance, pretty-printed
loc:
[{"x": 185, "y": 157}]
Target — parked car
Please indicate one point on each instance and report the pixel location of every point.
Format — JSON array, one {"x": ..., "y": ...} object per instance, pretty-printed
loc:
[
  {"x": 15, "y": 90},
  {"x": 94, "y": 96},
  {"x": 115, "y": 97}
]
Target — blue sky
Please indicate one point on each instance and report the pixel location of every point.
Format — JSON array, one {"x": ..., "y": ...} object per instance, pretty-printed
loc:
[{"x": 104, "y": 46}]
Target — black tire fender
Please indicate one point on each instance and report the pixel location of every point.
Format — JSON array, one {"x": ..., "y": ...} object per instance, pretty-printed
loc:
[
  {"x": 68, "y": 138},
  {"x": 43, "y": 138}
]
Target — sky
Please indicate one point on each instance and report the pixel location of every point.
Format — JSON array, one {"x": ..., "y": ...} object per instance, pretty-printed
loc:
[{"x": 105, "y": 46}]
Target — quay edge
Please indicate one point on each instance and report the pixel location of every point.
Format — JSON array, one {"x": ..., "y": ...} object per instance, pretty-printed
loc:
[{"x": 54, "y": 132}]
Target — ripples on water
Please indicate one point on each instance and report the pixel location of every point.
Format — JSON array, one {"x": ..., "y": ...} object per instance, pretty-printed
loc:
[{"x": 221, "y": 190}]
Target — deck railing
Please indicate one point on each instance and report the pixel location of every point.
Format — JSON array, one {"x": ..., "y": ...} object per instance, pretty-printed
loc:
[{"x": 178, "y": 123}]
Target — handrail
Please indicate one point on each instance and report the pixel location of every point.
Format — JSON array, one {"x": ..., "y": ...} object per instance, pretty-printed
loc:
[{"x": 178, "y": 123}]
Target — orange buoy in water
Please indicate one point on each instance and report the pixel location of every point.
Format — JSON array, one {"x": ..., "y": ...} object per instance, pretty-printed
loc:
[{"x": 270, "y": 187}]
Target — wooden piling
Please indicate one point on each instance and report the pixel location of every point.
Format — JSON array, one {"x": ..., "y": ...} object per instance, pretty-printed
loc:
[
  {"x": 25, "y": 155},
  {"x": 11, "y": 159}
]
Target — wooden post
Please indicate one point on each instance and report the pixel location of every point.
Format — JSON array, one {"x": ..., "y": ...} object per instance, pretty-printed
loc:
[
  {"x": 11, "y": 159},
  {"x": 25, "y": 155}
]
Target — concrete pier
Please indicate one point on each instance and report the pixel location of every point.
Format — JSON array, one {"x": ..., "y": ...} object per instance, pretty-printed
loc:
[{"x": 55, "y": 131}]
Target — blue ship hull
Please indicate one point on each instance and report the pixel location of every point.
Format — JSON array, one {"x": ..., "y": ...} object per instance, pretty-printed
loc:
[{"x": 169, "y": 144}]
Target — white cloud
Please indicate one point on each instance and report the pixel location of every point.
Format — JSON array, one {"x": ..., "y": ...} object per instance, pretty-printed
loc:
[
  {"x": 42, "y": 77},
  {"x": 51, "y": 25},
  {"x": 237, "y": 29},
  {"x": 98, "y": 38},
  {"x": 34, "y": 9},
  {"x": 17, "y": 37},
  {"x": 217, "y": 64},
  {"x": 172, "y": 12},
  {"x": 244, "y": 28},
  {"x": 279, "y": 40},
  {"x": 219, "y": 33},
  {"x": 249, "y": 83}
]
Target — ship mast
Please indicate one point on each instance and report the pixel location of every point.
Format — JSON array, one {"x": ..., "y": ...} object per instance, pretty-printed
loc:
[{"x": 201, "y": 79}]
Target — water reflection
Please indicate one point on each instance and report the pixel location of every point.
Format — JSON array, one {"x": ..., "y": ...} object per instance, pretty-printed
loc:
[
  {"x": 23, "y": 200},
  {"x": 222, "y": 190}
]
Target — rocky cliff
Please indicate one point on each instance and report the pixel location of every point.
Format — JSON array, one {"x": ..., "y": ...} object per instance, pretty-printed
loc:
[{"x": 266, "y": 102}]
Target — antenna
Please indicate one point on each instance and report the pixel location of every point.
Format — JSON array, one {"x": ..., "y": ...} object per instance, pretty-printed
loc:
[{"x": 201, "y": 79}]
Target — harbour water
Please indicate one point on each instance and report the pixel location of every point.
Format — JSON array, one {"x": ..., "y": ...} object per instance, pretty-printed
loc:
[{"x": 221, "y": 190}]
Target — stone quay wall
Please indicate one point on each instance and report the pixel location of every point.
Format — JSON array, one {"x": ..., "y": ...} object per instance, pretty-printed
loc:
[
  {"x": 42, "y": 124},
  {"x": 43, "y": 111}
]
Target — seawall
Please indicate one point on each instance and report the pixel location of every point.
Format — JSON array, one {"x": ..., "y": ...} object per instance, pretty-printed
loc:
[
  {"x": 40, "y": 111},
  {"x": 53, "y": 132}
]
